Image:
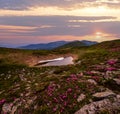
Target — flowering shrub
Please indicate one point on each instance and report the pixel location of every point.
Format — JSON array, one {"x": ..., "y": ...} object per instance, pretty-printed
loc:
[
  {"x": 96, "y": 78},
  {"x": 111, "y": 61},
  {"x": 62, "y": 96},
  {"x": 2, "y": 101},
  {"x": 115, "y": 49},
  {"x": 56, "y": 93},
  {"x": 111, "y": 69}
]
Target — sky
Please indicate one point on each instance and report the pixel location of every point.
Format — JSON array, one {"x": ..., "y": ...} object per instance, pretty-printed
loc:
[{"x": 40, "y": 21}]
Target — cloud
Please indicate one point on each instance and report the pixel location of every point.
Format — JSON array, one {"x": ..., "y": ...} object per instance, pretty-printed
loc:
[
  {"x": 65, "y": 4},
  {"x": 21, "y": 30},
  {"x": 26, "y": 4},
  {"x": 57, "y": 25},
  {"x": 48, "y": 20},
  {"x": 111, "y": 3}
]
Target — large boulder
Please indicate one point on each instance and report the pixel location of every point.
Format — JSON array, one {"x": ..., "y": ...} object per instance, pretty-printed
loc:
[
  {"x": 102, "y": 95},
  {"x": 111, "y": 106}
]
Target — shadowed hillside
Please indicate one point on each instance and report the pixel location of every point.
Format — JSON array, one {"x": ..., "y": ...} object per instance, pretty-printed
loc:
[
  {"x": 73, "y": 44},
  {"x": 58, "y": 44},
  {"x": 115, "y": 44}
]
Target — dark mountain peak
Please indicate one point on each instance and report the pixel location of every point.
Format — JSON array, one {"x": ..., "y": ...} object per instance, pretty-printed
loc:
[
  {"x": 57, "y": 44},
  {"x": 75, "y": 43},
  {"x": 46, "y": 46},
  {"x": 87, "y": 42}
]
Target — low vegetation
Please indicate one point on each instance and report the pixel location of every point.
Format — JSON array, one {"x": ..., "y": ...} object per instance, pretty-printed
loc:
[{"x": 26, "y": 89}]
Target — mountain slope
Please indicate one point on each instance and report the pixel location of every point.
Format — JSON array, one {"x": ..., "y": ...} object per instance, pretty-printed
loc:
[
  {"x": 47, "y": 46},
  {"x": 114, "y": 44},
  {"x": 73, "y": 44},
  {"x": 57, "y": 44},
  {"x": 90, "y": 85},
  {"x": 89, "y": 43}
]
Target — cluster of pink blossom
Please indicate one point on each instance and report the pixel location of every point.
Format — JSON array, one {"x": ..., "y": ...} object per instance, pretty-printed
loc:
[
  {"x": 89, "y": 73},
  {"x": 63, "y": 94},
  {"x": 115, "y": 49},
  {"x": 51, "y": 88},
  {"x": 72, "y": 77},
  {"x": 60, "y": 98},
  {"x": 111, "y": 61},
  {"x": 2, "y": 101},
  {"x": 96, "y": 78},
  {"x": 111, "y": 69}
]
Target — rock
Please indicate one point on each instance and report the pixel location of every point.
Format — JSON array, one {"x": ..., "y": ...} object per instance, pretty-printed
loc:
[
  {"x": 29, "y": 82},
  {"x": 102, "y": 95},
  {"x": 30, "y": 101},
  {"x": 21, "y": 94},
  {"x": 91, "y": 108},
  {"x": 99, "y": 106},
  {"x": 108, "y": 75},
  {"x": 36, "y": 84},
  {"x": 92, "y": 81},
  {"x": 35, "y": 107},
  {"x": 27, "y": 94},
  {"x": 81, "y": 97},
  {"x": 14, "y": 109},
  {"x": 51, "y": 72},
  {"x": 7, "y": 107},
  {"x": 79, "y": 62},
  {"x": 117, "y": 81},
  {"x": 118, "y": 96},
  {"x": 2, "y": 91},
  {"x": 27, "y": 88}
]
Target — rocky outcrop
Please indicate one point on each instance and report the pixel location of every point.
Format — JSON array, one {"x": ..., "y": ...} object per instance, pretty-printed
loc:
[
  {"x": 92, "y": 81},
  {"x": 96, "y": 107},
  {"x": 81, "y": 97},
  {"x": 105, "y": 94},
  {"x": 117, "y": 81}
]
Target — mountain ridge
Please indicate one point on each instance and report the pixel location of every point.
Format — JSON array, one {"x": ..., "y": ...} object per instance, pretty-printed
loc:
[{"x": 57, "y": 44}]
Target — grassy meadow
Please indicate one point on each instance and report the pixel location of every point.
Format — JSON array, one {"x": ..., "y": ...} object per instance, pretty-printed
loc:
[{"x": 26, "y": 89}]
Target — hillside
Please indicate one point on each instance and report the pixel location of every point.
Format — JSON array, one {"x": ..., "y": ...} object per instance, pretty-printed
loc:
[
  {"x": 58, "y": 44},
  {"x": 24, "y": 57},
  {"x": 115, "y": 44},
  {"x": 91, "y": 85},
  {"x": 45, "y": 46},
  {"x": 73, "y": 44}
]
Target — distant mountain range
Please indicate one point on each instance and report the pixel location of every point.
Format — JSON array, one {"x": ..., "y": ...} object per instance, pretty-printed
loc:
[
  {"x": 57, "y": 44},
  {"x": 46, "y": 46},
  {"x": 78, "y": 43}
]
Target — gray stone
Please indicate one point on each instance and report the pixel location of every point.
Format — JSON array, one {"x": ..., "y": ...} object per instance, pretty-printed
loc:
[
  {"x": 79, "y": 62},
  {"x": 91, "y": 108},
  {"x": 92, "y": 81},
  {"x": 7, "y": 107},
  {"x": 95, "y": 107},
  {"x": 81, "y": 97},
  {"x": 117, "y": 81},
  {"x": 105, "y": 94},
  {"x": 14, "y": 109}
]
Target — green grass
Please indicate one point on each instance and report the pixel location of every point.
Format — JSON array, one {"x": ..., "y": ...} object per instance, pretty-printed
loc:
[{"x": 17, "y": 78}]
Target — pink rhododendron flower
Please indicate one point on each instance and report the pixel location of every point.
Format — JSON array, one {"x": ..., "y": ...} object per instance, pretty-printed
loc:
[
  {"x": 69, "y": 90},
  {"x": 110, "y": 69},
  {"x": 2, "y": 101},
  {"x": 112, "y": 61},
  {"x": 54, "y": 109}
]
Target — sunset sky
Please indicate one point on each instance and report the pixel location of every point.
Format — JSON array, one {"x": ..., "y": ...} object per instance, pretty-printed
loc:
[{"x": 38, "y": 21}]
